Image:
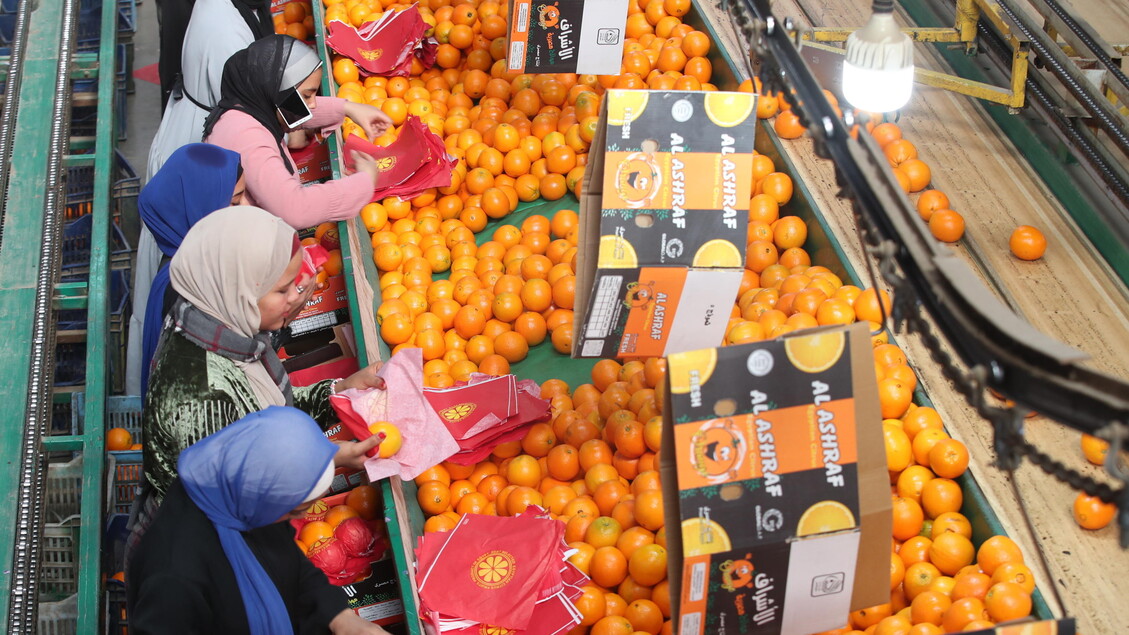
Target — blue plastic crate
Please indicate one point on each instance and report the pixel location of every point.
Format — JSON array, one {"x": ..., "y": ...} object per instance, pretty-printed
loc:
[
  {"x": 9, "y": 6},
  {"x": 88, "y": 34},
  {"x": 7, "y": 28},
  {"x": 84, "y": 119},
  {"x": 75, "y": 319},
  {"x": 80, "y": 188},
  {"x": 76, "y": 246}
]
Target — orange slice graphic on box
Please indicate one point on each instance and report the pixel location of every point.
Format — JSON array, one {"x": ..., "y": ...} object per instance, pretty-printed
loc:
[
  {"x": 457, "y": 412},
  {"x": 815, "y": 353},
  {"x": 625, "y": 106},
  {"x": 692, "y": 368},
  {"x": 493, "y": 569},
  {"x": 717, "y": 450},
  {"x": 825, "y": 517},
  {"x": 729, "y": 109},
  {"x": 702, "y": 537},
  {"x": 718, "y": 253},
  {"x": 638, "y": 179}
]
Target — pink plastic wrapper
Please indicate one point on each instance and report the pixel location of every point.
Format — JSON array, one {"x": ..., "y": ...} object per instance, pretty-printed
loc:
[
  {"x": 314, "y": 257},
  {"x": 426, "y": 440}
]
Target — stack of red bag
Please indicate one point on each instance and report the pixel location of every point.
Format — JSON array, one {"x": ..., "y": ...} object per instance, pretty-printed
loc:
[
  {"x": 385, "y": 46},
  {"x": 487, "y": 411},
  {"x": 416, "y": 161},
  {"x": 502, "y": 573}
]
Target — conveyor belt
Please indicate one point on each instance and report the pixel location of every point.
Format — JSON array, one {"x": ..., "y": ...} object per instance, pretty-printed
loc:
[{"x": 1072, "y": 294}]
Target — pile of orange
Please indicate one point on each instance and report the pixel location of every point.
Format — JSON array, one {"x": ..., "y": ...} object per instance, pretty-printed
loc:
[
  {"x": 295, "y": 19},
  {"x": 593, "y": 465},
  {"x": 498, "y": 300}
]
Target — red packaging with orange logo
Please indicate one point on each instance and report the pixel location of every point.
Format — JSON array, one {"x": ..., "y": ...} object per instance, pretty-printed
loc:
[
  {"x": 774, "y": 471},
  {"x": 664, "y": 218}
]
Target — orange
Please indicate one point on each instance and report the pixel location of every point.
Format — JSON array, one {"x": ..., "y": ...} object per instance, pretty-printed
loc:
[
  {"x": 899, "y": 151},
  {"x": 1090, "y": 512},
  {"x": 344, "y": 69},
  {"x": 433, "y": 497},
  {"x": 1094, "y": 449},
  {"x": 788, "y": 126},
  {"x": 649, "y": 509},
  {"x": 972, "y": 584},
  {"x": 1027, "y": 243},
  {"x": 873, "y": 306},
  {"x": 929, "y": 607},
  {"x": 591, "y": 604},
  {"x": 950, "y": 552},
  {"x": 645, "y": 616},
  {"x": 961, "y": 613},
  {"x": 884, "y": 133},
  {"x": 613, "y": 624},
  {"x": 908, "y": 518},
  {"x": 564, "y": 462},
  {"x": 948, "y": 458},
  {"x": 915, "y": 550},
  {"x": 946, "y": 225},
  {"x": 1007, "y": 601},
  {"x": 995, "y": 551},
  {"x": 898, "y": 449},
  {"x": 870, "y": 616},
  {"x": 954, "y": 522},
  {"x": 941, "y": 495},
  {"x": 314, "y": 531},
  {"x": 120, "y": 439},
  {"x": 921, "y": 418},
  {"x": 894, "y": 397},
  {"x": 609, "y": 567},
  {"x": 647, "y": 565},
  {"x": 931, "y": 201},
  {"x": 511, "y": 346},
  {"x": 603, "y": 532},
  {"x": 778, "y": 185},
  {"x": 919, "y": 576},
  {"x": 917, "y": 171}
]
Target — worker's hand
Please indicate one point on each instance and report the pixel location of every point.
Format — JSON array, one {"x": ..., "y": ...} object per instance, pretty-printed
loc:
[
  {"x": 362, "y": 379},
  {"x": 370, "y": 118},
  {"x": 352, "y": 455},
  {"x": 305, "y": 284},
  {"x": 363, "y": 162},
  {"x": 349, "y": 623}
]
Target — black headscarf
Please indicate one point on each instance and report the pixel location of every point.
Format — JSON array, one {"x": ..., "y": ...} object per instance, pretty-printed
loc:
[
  {"x": 174, "y": 16},
  {"x": 253, "y": 83}
]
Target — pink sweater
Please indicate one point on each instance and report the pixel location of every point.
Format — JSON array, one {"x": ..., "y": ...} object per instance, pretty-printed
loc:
[{"x": 271, "y": 187}]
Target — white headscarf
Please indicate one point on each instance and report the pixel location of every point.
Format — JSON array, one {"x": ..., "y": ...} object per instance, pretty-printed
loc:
[{"x": 229, "y": 260}]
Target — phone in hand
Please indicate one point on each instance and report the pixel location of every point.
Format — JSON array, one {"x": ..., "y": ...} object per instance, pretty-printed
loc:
[{"x": 293, "y": 109}]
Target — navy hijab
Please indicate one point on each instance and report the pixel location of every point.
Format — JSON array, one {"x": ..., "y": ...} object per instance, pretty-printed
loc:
[
  {"x": 195, "y": 181},
  {"x": 247, "y": 476}
]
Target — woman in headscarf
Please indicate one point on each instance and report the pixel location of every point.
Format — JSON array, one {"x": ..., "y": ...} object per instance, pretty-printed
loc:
[
  {"x": 247, "y": 120},
  {"x": 220, "y": 557},
  {"x": 236, "y": 277},
  {"x": 197, "y": 180}
]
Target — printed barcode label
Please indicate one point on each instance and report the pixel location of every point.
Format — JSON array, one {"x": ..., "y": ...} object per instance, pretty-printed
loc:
[
  {"x": 312, "y": 323},
  {"x": 522, "y": 22},
  {"x": 697, "y": 589},
  {"x": 691, "y": 624},
  {"x": 592, "y": 348},
  {"x": 603, "y": 308},
  {"x": 517, "y": 55}
]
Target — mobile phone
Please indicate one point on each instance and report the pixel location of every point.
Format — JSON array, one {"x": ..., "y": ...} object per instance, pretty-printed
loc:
[{"x": 293, "y": 108}]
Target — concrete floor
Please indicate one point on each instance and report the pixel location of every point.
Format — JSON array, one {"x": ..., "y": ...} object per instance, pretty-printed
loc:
[{"x": 144, "y": 105}]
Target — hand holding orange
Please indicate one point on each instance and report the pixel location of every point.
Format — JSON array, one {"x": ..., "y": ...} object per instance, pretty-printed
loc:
[{"x": 392, "y": 438}]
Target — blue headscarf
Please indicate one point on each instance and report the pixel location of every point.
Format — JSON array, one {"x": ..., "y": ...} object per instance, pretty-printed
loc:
[
  {"x": 247, "y": 476},
  {"x": 195, "y": 181}
]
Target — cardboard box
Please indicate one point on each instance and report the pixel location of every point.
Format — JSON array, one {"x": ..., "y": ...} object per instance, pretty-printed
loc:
[
  {"x": 326, "y": 308},
  {"x": 313, "y": 161},
  {"x": 664, "y": 220},
  {"x": 377, "y": 597},
  {"x": 566, "y": 36},
  {"x": 773, "y": 467}
]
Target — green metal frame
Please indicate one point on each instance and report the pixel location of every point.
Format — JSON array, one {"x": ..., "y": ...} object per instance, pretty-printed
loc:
[{"x": 18, "y": 259}]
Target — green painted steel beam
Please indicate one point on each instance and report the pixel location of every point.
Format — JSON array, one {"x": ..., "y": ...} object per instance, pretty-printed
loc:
[
  {"x": 20, "y": 250},
  {"x": 98, "y": 311}
]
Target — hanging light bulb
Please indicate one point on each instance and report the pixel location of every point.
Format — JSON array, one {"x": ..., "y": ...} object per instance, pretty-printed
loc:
[{"x": 878, "y": 70}]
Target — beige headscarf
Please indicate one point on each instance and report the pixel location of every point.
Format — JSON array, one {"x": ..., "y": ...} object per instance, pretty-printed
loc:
[{"x": 228, "y": 260}]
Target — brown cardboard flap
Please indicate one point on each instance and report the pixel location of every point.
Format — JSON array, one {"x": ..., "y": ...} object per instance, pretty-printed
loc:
[
  {"x": 591, "y": 195},
  {"x": 875, "y": 515}
]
